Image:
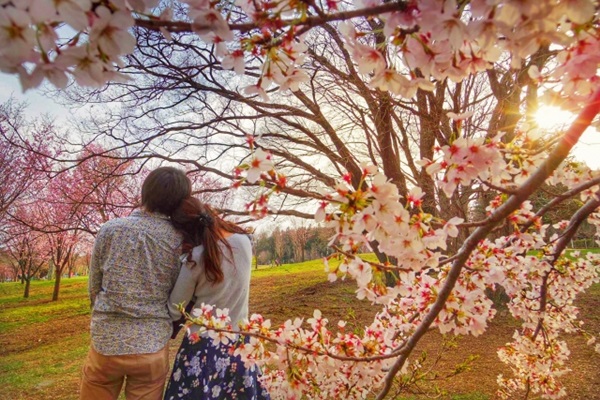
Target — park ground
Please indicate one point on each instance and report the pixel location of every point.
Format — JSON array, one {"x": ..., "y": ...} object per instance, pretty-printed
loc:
[{"x": 43, "y": 344}]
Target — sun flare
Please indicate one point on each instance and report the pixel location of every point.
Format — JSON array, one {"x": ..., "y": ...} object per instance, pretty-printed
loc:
[{"x": 553, "y": 118}]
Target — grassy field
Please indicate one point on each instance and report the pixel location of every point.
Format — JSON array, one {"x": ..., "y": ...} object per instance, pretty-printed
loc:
[{"x": 43, "y": 344}]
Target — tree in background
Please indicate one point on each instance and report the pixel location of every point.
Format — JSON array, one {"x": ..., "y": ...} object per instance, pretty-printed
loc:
[
  {"x": 55, "y": 219},
  {"x": 28, "y": 250},
  {"x": 54, "y": 208},
  {"x": 264, "y": 248},
  {"x": 296, "y": 244},
  {"x": 24, "y": 167},
  {"x": 300, "y": 236},
  {"x": 102, "y": 185},
  {"x": 21, "y": 170},
  {"x": 400, "y": 116},
  {"x": 8, "y": 272}
]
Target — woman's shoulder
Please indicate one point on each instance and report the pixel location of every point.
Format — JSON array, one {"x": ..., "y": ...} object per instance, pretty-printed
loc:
[{"x": 239, "y": 238}]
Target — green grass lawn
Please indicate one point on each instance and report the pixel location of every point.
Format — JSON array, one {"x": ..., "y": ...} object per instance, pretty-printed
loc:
[
  {"x": 41, "y": 348},
  {"x": 43, "y": 344}
]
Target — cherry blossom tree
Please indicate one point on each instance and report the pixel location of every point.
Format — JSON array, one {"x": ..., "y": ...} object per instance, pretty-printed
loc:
[
  {"x": 8, "y": 272},
  {"x": 23, "y": 169},
  {"x": 55, "y": 220},
  {"x": 19, "y": 168},
  {"x": 27, "y": 249},
  {"x": 44, "y": 231},
  {"x": 468, "y": 74},
  {"x": 99, "y": 188}
]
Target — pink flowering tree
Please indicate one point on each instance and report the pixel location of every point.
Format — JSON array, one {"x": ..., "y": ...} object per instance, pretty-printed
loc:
[
  {"x": 56, "y": 220},
  {"x": 23, "y": 167},
  {"x": 407, "y": 125},
  {"x": 102, "y": 185},
  {"x": 22, "y": 170},
  {"x": 27, "y": 249}
]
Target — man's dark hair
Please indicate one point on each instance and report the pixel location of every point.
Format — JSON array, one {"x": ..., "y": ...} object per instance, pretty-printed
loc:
[{"x": 164, "y": 189}]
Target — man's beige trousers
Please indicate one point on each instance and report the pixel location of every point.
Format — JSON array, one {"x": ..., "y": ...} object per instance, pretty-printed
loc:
[{"x": 144, "y": 375}]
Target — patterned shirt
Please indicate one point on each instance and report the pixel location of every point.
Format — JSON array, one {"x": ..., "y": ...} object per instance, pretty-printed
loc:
[{"x": 134, "y": 266}]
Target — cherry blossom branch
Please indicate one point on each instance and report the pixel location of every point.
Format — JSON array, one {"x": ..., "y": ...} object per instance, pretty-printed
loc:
[
  {"x": 560, "y": 152},
  {"x": 307, "y": 23},
  {"x": 560, "y": 198},
  {"x": 398, "y": 351},
  {"x": 379, "y": 266},
  {"x": 576, "y": 220},
  {"x": 543, "y": 302},
  {"x": 499, "y": 188},
  {"x": 291, "y": 213}
]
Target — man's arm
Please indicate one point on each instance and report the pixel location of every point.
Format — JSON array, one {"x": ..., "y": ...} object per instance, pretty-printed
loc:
[{"x": 95, "y": 281}]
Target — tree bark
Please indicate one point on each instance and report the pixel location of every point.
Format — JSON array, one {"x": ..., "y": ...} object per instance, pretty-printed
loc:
[
  {"x": 27, "y": 284},
  {"x": 56, "y": 285}
]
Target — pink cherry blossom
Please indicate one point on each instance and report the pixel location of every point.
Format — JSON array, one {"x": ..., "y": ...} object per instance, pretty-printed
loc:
[
  {"x": 368, "y": 58},
  {"x": 16, "y": 36},
  {"x": 211, "y": 21},
  {"x": 110, "y": 33},
  {"x": 234, "y": 60}
]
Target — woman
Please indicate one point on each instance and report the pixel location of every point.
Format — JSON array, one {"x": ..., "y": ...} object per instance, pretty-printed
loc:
[{"x": 216, "y": 272}]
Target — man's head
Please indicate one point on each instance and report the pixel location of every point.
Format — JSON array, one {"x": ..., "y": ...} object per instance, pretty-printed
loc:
[{"x": 164, "y": 189}]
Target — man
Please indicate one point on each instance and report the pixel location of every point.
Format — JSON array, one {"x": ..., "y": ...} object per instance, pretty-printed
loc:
[{"x": 134, "y": 266}]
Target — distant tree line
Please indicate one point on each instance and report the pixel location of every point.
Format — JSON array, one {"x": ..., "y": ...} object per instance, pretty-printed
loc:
[{"x": 292, "y": 245}]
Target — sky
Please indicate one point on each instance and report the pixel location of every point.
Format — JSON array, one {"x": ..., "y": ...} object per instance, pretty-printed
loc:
[
  {"x": 38, "y": 104},
  {"x": 587, "y": 149}
]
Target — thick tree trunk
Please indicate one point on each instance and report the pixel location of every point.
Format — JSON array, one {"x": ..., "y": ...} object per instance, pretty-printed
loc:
[
  {"x": 430, "y": 122},
  {"x": 390, "y": 157}
]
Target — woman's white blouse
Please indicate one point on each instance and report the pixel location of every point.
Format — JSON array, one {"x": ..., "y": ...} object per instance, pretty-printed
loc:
[{"x": 232, "y": 293}]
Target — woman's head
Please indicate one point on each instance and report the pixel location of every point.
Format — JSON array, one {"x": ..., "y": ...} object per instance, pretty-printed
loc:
[
  {"x": 164, "y": 189},
  {"x": 192, "y": 218},
  {"x": 200, "y": 225}
]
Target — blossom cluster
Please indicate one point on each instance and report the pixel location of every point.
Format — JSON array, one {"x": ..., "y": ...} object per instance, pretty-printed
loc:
[
  {"x": 259, "y": 170},
  {"x": 298, "y": 361},
  {"x": 32, "y": 46},
  {"x": 541, "y": 288},
  {"x": 428, "y": 40},
  {"x": 376, "y": 211},
  {"x": 467, "y": 159},
  {"x": 537, "y": 355},
  {"x": 574, "y": 174}
]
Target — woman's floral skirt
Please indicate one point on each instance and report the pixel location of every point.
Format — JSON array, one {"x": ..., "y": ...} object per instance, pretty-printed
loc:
[{"x": 205, "y": 371}]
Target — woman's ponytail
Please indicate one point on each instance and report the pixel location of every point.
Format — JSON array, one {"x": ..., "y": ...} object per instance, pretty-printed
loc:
[
  {"x": 201, "y": 225},
  {"x": 213, "y": 254}
]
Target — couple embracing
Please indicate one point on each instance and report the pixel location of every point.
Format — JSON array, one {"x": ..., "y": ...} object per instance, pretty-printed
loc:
[{"x": 174, "y": 248}]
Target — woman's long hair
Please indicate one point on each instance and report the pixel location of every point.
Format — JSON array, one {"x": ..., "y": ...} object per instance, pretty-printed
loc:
[{"x": 201, "y": 225}]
